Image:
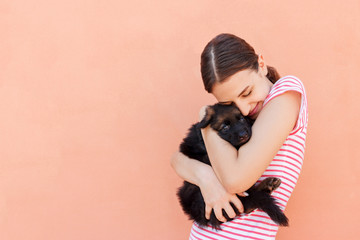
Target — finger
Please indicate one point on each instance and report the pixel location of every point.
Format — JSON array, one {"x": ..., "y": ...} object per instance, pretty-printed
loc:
[
  {"x": 219, "y": 215},
  {"x": 207, "y": 212},
  {"x": 236, "y": 201},
  {"x": 229, "y": 211},
  {"x": 243, "y": 194}
]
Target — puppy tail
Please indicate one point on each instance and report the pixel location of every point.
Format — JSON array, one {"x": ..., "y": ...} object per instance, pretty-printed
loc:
[
  {"x": 273, "y": 210},
  {"x": 267, "y": 203}
]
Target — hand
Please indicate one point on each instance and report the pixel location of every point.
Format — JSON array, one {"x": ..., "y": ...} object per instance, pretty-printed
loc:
[{"x": 217, "y": 198}]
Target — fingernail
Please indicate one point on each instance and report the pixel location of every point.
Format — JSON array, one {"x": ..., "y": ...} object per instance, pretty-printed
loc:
[{"x": 246, "y": 194}]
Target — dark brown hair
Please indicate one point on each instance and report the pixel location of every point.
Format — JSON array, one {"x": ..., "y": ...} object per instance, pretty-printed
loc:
[{"x": 225, "y": 55}]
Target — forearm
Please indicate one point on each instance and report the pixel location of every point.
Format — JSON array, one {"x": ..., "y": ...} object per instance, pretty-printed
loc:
[
  {"x": 226, "y": 163},
  {"x": 191, "y": 170}
]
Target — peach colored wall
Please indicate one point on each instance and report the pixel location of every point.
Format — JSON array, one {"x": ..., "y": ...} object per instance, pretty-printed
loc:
[{"x": 95, "y": 96}]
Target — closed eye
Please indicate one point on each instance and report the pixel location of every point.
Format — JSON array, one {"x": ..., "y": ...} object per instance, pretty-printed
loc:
[{"x": 247, "y": 93}]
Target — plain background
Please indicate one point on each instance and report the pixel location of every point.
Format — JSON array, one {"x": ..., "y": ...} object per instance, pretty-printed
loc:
[{"x": 95, "y": 96}]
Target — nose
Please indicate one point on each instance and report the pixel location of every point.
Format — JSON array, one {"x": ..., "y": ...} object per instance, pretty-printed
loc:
[
  {"x": 244, "y": 107},
  {"x": 243, "y": 136}
]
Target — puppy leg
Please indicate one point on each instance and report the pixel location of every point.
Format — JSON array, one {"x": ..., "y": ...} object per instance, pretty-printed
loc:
[{"x": 269, "y": 184}]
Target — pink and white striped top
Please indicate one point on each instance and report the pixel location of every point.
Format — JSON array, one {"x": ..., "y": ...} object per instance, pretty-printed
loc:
[{"x": 286, "y": 165}]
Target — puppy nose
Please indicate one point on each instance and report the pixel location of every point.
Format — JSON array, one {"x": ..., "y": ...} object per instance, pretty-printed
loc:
[{"x": 243, "y": 135}]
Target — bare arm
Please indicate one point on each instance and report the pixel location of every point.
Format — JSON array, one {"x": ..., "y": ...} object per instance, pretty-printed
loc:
[
  {"x": 191, "y": 170},
  {"x": 202, "y": 175},
  {"x": 239, "y": 170}
]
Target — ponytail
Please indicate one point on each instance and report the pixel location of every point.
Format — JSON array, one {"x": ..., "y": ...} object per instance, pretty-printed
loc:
[{"x": 272, "y": 74}]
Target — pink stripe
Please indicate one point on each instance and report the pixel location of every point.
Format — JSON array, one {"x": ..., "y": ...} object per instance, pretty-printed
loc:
[
  {"x": 291, "y": 175},
  {"x": 283, "y": 164},
  {"x": 299, "y": 138},
  {"x": 191, "y": 237},
  {"x": 258, "y": 221},
  {"x": 279, "y": 198},
  {"x": 223, "y": 236},
  {"x": 268, "y": 174},
  {"x": 287, "y": 156},
  {"x": 207, "y": 237},
  {"x": 252, "y": 226},
  {"x": 302, "y": 138},
  {"x": 277, "y": 165},
  {"x": 286, "y": 87},
  {"x": 293, "y": 85},
  {"x": 281, "y": 177},
  {"x": 277, "y": 160},
  {"x": 277, "y": 168},
  {"x": 295, "y": 130},
  {"x": 280, "y": 89},
  {"x": 285, "y": 150},
  {"x": 284, "y": 189},
  {"x": 297, "y": 160},
  {"x": 295, "y": 79},
  {"x": 249, "y": 231},
  {"x": 292, "y": 146},
  {"x": 281, "y": 205},
  {"x": 204, "y": 229},
  {"x": 293, "y": 140},
  {"x": 291, "y": 187},
  {"x": 292, "y": 164},
  {"x": 288, "y": 196}
]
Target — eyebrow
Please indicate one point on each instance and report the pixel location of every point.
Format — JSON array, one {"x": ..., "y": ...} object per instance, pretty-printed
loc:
[{"x": 227, "y": 102}]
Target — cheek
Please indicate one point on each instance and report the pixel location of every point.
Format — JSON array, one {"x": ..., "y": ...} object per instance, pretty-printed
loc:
[
  {"x": 259, "y": 96},
  {"x": 264, "y": 93},
  {"x": 263, "y": 89}
]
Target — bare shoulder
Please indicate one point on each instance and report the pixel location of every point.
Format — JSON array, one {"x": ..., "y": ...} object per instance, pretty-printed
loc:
[
  {"x": 279, "y": 116},
  {"x": 271, "y": 128}
]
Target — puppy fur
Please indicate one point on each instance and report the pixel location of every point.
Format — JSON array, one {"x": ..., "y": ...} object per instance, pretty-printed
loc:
[{"x": 233, "y": 127}]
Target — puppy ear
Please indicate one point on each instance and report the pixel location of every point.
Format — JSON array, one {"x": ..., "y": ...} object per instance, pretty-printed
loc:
[{"x": 210, "y": 112}]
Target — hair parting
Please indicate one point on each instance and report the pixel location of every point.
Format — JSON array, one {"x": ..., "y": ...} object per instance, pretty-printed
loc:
[{"x": 227, "y": 54}]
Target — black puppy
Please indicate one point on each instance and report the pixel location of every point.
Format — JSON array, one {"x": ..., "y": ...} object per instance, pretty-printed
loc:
[{"x": 233, "y": 127}]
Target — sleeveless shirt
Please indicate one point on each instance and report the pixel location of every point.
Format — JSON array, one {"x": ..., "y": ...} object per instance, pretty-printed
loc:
[{"x": 286, "y": 165}]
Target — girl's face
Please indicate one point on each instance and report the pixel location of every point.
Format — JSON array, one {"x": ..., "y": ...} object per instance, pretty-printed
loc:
[{"x": 247, "y": 89}]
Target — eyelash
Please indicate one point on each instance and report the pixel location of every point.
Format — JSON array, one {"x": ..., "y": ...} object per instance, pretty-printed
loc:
[{"x": 247, "y": 94}]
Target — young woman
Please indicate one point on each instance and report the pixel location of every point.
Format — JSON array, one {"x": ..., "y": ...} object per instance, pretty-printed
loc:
[{"x": 234, "y": 73}]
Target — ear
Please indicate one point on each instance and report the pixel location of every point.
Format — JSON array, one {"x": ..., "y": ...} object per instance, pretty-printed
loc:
[
  {"x": 262, "y": 65},
  {"x": 210, "y": 112}
]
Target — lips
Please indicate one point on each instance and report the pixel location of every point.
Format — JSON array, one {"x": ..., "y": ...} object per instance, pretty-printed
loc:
[{"x": 253, "y": 112}]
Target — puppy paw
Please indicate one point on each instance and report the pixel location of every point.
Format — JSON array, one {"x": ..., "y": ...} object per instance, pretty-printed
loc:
[{"x": 269, "y": 184}]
